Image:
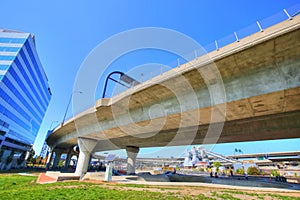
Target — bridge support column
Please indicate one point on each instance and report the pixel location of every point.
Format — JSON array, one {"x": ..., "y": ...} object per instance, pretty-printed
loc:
[
  {"x": 57, "y": 158},
  {"x": 68, "y": 158},
  {"x": 50, "y": 156},
  {"x": 86, "y": 147},
  {"x": 132, "y": 152}
]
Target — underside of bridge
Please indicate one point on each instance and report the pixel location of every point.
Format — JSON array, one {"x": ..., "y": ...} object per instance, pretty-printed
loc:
[
  {"x": 261, "y": 79},
  {"x": 267, "y": 117}
]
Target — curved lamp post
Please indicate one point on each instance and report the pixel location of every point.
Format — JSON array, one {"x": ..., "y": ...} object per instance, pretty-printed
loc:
[{"x": 123, "y": 77}]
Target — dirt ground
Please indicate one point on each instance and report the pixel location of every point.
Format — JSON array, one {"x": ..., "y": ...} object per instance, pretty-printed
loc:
[{"x": 212, "y": 192}]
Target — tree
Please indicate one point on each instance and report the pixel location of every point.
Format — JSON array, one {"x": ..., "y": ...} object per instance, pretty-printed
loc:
[
  {"x": 32, "y": 160},
  {"x": 31, "y": 153},
  {"x": 217, "y": 165},
  {"x": 274, "y": 172},
  {"x": 21, "y": 158},
  {"x": 240, "y": 171},
  {"x": 253, "y": 171},
  {"x": 44, "y": 161},
  {"x": 39, "y": 160},
  {"x": 60, "y": 163}
]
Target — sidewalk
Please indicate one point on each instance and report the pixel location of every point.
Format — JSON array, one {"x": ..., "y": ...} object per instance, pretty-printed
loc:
[
  {"x": 99, "y": 176},
  {"x": 212, "y": 185}
]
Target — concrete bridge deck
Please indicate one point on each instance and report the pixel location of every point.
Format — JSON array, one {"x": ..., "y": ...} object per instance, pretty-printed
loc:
[{"x": 261, "y": 79}]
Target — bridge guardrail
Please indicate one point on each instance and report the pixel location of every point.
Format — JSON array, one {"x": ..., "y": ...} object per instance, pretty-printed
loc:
[{"x": 258, "y": 26}]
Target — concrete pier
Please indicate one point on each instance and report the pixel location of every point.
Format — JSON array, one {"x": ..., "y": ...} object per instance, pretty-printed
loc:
[
  {"x": 132, "y": 152},
  {"x": 86, "y": 147}
]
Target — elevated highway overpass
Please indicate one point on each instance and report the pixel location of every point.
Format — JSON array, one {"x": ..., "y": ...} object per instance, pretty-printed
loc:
[
  {"x": 266, "y": 155},
  {"x": 261, "y": 79}
]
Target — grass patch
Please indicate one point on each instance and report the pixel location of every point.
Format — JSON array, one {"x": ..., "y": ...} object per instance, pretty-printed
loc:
[
  {"x": 16, "y": 187},
  {"x": 224, "y": 196},
  {"x": 25, "y": 187},
  {"x": 203, "y": 197},
  {"x": 261, "y": 196},
  {"x": 133, "y": 185},
  {"x": 282, "y": 197},
  {"x": 147, "y": 186},
  {"x": 234, "y": 192}
]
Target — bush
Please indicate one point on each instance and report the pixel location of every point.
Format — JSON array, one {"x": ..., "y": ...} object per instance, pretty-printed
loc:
[
  {"x": 201, "y": 169},
  {"x": 240, "y": 171},
  {"x": 32, "y": 161},
  {"x": 60, "y": 164},
  {"x": 253, "y": 171},
  {"x": 274, "y": 172},
  {"x": 217, "y": 165}
]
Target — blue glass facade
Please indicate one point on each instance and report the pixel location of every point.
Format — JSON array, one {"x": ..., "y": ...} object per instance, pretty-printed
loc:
[{"x": 24, "y": 94}]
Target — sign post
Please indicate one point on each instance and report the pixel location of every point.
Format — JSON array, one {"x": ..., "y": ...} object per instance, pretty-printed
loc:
[{"x": 108, "y": 172}]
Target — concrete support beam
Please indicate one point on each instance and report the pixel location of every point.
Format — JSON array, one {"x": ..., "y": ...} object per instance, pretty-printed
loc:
[
  {"x": 86, "y": 147},
  {"x": 50, "y": 156},
  {"x": 68, "y": 158},
  {"x": 132, "y": 152},
  {"x": 57, "y": 158}
]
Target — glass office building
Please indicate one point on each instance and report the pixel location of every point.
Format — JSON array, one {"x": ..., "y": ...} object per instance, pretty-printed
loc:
[{"x": 24, "y": 96}]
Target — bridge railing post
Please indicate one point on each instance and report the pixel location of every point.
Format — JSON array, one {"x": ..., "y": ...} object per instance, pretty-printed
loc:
[
  {"x": 259, "y": 26},
  {"x": 217, "y": 46},
  {"x": 288, "y": 15},
  {"x": 236, "y": 37}
]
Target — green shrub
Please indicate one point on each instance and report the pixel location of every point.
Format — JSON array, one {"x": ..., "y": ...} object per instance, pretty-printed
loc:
[
  {"x": 274, "y": 172},
  {"x": 240, "y": 171},
  {"x": 60, "y": 163},
  {"x": 201, "y": 169},
  {"x": 217, "y": 165},
  {"x": 253, "y": 171}
]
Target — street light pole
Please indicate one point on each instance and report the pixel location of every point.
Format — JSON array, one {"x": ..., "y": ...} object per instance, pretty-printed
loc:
[
  {"x": 123, "y": 77},
  {"x": 50, "y": 130},
  {"x": 52, "y": 124},
  {"x": 69, "y": 105}
]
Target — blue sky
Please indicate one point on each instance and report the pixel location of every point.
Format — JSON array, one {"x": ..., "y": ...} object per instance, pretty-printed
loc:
[{"x": 66, "y": 32}]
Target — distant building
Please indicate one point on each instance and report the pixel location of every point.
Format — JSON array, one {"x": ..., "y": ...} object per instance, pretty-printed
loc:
[
  {"x": 44, "y": 151},
  {"x": 24, "y": 96}
]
